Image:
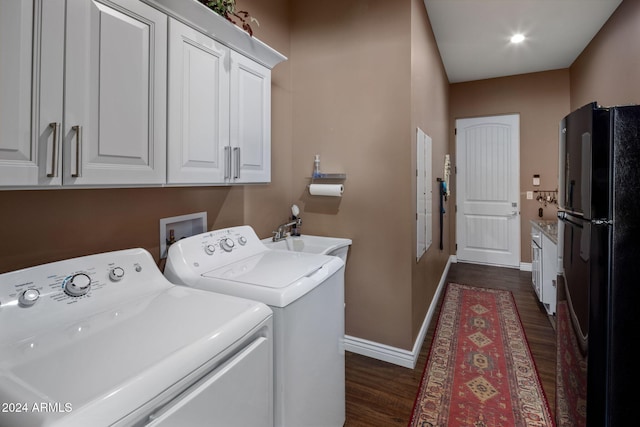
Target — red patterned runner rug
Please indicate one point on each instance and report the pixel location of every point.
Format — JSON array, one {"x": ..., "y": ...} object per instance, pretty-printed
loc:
[
  {"x": 480, "y": 372},
  {"x": 571, "y": 389}
]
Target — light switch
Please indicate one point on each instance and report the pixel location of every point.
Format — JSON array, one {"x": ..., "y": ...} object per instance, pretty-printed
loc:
[
  {"x": 529, "y": 195},
  {"x": 536, "y": 180}
]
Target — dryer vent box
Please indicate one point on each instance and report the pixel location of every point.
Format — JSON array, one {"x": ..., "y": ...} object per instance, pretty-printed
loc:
[{"x": 178, "y": 227}]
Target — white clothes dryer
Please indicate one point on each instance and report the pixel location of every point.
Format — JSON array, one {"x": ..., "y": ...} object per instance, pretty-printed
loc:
[
  {"x": 305, "y": 292},
  {"x": 106, "y": 340}
]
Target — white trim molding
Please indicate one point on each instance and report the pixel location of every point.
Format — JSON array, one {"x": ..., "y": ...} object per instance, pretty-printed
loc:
[
  {"x": 399, "y": 356},
  {"x": 525, "y": 266}
]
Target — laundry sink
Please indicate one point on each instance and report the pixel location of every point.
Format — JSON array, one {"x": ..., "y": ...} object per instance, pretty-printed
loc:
[{"x": 334, "y": 246}]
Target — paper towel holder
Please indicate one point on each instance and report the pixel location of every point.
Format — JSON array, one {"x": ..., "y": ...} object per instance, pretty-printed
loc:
[{"x": 327, "y": 178}]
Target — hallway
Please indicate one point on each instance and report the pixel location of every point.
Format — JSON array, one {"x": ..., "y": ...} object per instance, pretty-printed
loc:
[{"x": 380, "y": 394}]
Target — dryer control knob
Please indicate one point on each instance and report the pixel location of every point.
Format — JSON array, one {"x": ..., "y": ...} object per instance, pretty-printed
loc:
[
  {"x": 116, "y": 274},
  {"x": 77, "y": 285},
  {"x": 242, "y": 240},
  {"x": 227, "y": 244},
  {"x": 209, "y": 249},
  {"x": 28, "y": 297}
]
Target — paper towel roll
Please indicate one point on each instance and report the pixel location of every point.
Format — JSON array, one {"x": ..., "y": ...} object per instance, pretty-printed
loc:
[{"x": 326, "y": 190}]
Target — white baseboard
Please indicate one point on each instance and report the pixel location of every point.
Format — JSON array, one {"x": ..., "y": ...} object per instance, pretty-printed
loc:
[
  {"x": 399, "y": 356},
  {"x": 386, "y": 353},
  {"x": 525, "y": 266}
]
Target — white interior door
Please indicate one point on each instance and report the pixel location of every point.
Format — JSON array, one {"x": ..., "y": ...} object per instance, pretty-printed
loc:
[{"x": 487, "y": 198}]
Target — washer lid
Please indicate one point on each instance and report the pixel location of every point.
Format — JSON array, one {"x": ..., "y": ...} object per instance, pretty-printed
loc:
[
  {"x": 105, "y": 366},
  {"x": 271, "y": 268}
]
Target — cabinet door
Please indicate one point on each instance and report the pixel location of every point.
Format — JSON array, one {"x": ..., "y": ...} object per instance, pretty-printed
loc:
[
  {"x": 536, "y": 269},
  {"x": 49, "y": 81},
  {"x": 250, "y": 120},
  {"x": 18, "y": 155},
  {"x": 31, "y": 67},
  {"x": 198, "y": 108},
  {"x": 549, "y": 274},
  {"x": 115, "y": 93}
]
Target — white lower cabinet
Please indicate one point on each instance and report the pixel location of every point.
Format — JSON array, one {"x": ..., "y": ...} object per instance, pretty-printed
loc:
[
  {"x": 549, "y": 273},
  {"x": 544, "y": 268},
  {"x": 219, "y": 112},
  {"x": 536, "y": 261}
]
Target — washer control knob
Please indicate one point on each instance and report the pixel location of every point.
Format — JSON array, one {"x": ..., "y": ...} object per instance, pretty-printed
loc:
[
  {"x": 77, "y": 285},
  {"x": 209, "y": 249},
  {"x": 28, "y": 297},
  {"x": 227, "y": 244},
  {"x": 242, "y": 240},
  {"x": 116, "y": 274}
]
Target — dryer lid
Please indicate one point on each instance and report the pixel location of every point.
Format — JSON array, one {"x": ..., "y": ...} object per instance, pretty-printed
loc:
[
  {"x": 271, "y": 268},
  {"x": 113, "y": 362}
]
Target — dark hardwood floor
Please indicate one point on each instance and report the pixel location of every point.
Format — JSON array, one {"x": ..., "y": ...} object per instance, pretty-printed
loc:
[{"x": 382, "y": 394}]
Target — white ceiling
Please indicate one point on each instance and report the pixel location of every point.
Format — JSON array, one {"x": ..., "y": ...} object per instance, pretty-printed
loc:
[{"x": 473, "y": 35}]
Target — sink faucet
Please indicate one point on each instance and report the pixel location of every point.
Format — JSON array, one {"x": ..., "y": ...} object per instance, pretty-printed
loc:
[{"x": 281, "y": 233}]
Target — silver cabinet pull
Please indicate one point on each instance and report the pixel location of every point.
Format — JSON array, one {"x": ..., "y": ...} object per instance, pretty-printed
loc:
[
  {"x": 78, "y": 171},
  {"x": 55, "y": 130},
  {"x": 227, "y": 162},
  {"x": 236, "y": 154}
]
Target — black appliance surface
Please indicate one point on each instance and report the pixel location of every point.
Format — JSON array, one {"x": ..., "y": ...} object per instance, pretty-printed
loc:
[{"x": 600, "y": 214}]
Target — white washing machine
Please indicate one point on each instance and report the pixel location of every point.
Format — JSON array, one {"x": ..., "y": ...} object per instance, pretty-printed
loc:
[
  {"x": 305, "y": 292},
  {"x": 106, "y": 340}
]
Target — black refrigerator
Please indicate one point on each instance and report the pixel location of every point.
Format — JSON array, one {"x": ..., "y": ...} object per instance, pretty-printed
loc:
[{"x": 599, "y": 278}]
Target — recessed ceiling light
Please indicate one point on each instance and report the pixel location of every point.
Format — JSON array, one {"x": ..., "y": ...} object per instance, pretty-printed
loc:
[{"x": 517, "y": 38}]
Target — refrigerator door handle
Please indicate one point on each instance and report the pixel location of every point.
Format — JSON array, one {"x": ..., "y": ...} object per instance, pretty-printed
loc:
[
  {"x": 603, "y": 221},
  {"x": 564, "y": 213},
  {"x": 573, "y": 219}
]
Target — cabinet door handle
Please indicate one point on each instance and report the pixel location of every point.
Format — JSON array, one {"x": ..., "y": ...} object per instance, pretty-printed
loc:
[
  {"x": 78, "y": 171},
  {"x": 227, "y": 162},
  {"x": 236, "y": 153},
  {"x": 55, "y": 130}
]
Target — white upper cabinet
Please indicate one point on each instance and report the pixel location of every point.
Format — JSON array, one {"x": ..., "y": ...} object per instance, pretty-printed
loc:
[
  {"x": 30, "y": 146},
  {"x": 219, "y": 112},
  {"x": 17, "y": 154},
  {"x": 198, "y": 107},
  {"x": 115, "y": 93},
  {"x": 250, "y": 120},
  {"x": 84, "y": 86},
  {"x": 91, "y": 112}
]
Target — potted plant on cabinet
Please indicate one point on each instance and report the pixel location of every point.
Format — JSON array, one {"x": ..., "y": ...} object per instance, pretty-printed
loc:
[{"x": 227, "y": 9}]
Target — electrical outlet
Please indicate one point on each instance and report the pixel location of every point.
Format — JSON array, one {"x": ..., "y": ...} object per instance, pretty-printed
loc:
[
  {"x": 529, "y": 195},
  {"x": 180, "y": 227}
]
